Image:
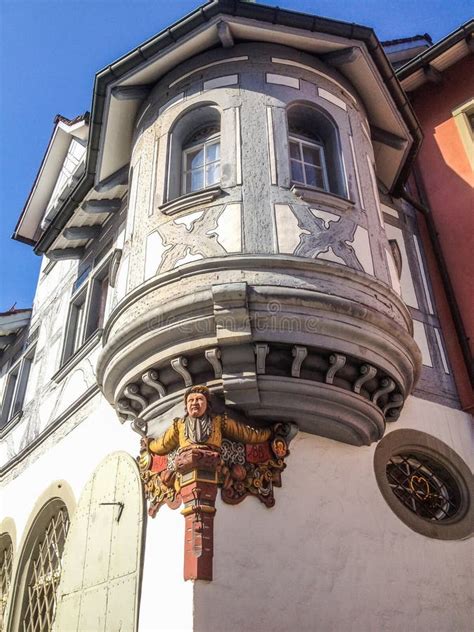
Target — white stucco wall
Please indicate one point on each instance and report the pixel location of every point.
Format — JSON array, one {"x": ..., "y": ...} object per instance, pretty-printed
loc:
[
  {"x": 331, "y": 556},
  {"x": 74, "y": 459}
]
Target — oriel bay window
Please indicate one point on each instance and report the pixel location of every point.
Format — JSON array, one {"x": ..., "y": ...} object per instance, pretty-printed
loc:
[{"x": 87, "y": 309}]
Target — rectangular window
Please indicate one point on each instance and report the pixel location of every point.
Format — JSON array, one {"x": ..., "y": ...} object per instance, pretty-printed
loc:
[
  {"x": 201, "y": 166},
  {"x": 308, "y": 165},
  {"x": 87, "y": 308},
  {"x": 17, "y": 382}
]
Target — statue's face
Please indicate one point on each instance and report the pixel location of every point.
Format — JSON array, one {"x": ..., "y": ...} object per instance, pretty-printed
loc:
[{"x": 196, "y": 404}]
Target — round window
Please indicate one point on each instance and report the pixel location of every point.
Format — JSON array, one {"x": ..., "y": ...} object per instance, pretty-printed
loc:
[
  {"x": 425, "y": 483},
  {"x": 424, "y": 486}
]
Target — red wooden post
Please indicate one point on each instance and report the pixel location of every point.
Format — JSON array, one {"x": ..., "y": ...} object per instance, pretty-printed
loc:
[{"x": 197, "y": 467}]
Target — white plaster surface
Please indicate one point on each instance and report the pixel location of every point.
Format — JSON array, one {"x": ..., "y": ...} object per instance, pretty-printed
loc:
[
  {"x": 419, "y": 334},
  {"x": 375, "y": 190},
  {"x": 218, "y": 82},
  {"x": 154, "y": 253},
  {"x": 406, "y": 280},
  {"x": 189, "y": 219},
  {"x": 389, "y": 210},
  {"x": 188, "y": 257},
  {"x": 229, "y": 228},
  {"x": 441, "y": 349},
  {"x": 326, "y": 216},
  {"x": 331, "y": 556},
  {"x": 324, "y": 94},
  {"x": 283, "y": 80},
  {"x": 330, "y": 255},
  {"x": 167, "y": 600},
  {"x": 288, "y": 231},
  {"x": 361, "y": 246},
  {"x": 424, "y": 277}
]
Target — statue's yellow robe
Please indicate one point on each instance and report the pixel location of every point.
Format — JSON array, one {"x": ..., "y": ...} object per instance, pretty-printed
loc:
[{"x": 222, "y": 427}]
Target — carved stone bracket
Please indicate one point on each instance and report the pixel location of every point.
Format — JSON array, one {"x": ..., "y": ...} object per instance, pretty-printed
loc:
[
  {"x": 213, "y": 357},
  {"x": 337, "y": 362},
  {"x": 299, "y": 353},
  {"x": 179, "y": 365},
  {"x": 342, "y": 372}
]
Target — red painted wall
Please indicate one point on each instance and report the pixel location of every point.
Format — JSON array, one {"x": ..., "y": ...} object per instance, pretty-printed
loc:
[{"x": 447, "y": 179}]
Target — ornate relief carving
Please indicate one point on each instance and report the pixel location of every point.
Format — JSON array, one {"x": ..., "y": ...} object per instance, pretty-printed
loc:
[
  {"x": 371, "y": 382},
  {"x": 317, "y": 238},
  {"x": 200, "y": 453},
  {"x": 199, "y": 239}
]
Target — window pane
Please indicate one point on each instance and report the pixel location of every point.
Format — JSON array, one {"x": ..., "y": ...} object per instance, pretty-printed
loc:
[
  {"x": 297, "y": 171},
  {"x": 314, "y": 177},
  {"x": 295, "y": 150},
  {"x": 212, "y": 152},
  {"x": 195, "y": 180},
  {"x": 213, "y": 173},
  {"x": 311, "y": 155},
  {"x": 195, "y": 159},
  {"x": 79, "y": 316}
]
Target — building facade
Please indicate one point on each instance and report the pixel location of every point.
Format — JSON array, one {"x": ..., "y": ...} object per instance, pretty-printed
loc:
[{"x": 233, "y": 214}]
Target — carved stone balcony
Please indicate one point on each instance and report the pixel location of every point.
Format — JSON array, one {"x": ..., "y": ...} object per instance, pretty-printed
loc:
[{"x": 277, "y": 338}]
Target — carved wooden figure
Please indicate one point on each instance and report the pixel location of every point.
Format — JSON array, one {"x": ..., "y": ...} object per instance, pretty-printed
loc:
[{"x": 197, "y": 454}]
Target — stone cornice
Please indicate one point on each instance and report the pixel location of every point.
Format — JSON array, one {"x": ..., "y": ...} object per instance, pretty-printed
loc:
[{"x": 242, "y": 262}]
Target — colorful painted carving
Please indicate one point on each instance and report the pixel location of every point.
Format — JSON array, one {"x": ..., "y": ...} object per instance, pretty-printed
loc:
[{"x": 198, "y": 454}]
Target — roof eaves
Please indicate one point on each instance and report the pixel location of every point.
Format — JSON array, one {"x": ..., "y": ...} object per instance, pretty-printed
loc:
[
  {"x": 465, "y": 31},
  {"x": 57, "y": 119},
  {"x": 170, "y": 35}
]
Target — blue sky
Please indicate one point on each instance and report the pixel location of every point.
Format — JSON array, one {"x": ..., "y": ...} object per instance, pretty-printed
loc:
[{"x": 50, "y": 51}]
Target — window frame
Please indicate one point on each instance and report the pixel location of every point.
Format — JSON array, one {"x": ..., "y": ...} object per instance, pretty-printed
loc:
[
  {"x": 313, "y": 143},
  {"x": 88, "y": 294},
  {"x": 310, "y": 123},
  {"x": 183, "y": 134},
  {"x": 399, "y": 442},
  {"x": 14, "y": 394},
  {"x": 213, "y": 139}
]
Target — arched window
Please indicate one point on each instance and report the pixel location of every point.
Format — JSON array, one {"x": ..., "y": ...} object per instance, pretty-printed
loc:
[
  {"x": 194, "y": 151},
  {"x": 315, "y": 156},
  {"x": 6, "y": 560},
  {"x": 43, "y": 570}
]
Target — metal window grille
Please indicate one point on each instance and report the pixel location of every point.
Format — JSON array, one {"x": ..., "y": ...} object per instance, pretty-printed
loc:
[
  {"x": 6, "y": 560},
  {"x": 44, "y": 576},
  {"x": 425, "y": 486}
]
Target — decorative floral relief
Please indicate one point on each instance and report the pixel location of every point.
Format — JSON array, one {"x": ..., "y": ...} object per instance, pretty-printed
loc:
[{"x": 199, "y": 237}]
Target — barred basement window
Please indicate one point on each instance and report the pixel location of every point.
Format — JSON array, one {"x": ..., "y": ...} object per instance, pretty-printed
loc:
[
  {"x": 6, "y": 559},
  {"x": 43, "y": 576},
  {"x": 424, "y": 486}
]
